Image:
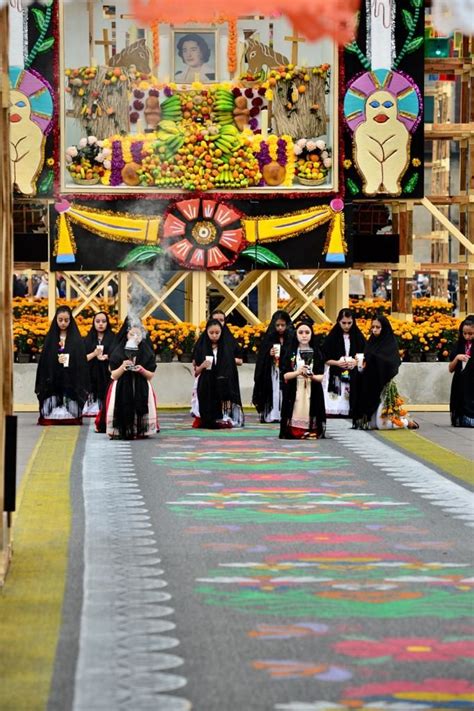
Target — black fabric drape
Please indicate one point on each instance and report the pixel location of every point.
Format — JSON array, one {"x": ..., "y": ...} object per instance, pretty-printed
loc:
[
  {"x": 317, "y": 411},
  {"x": 218, "y": 385},
  {"x": 382, "y": 362},
  {"x": 131, "y": 394},
  {"x": 262, "y": 396},
  {"x": 461, "y": 402},
  {"x": 52, "y": 378},
  {"x": 99, "y": 372}
]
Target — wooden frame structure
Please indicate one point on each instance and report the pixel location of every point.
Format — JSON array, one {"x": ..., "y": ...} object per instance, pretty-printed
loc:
[{"x": 91, "y": 289}]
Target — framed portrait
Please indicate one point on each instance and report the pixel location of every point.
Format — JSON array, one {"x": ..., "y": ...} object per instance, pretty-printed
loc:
[{"x": 194, "y": 55}]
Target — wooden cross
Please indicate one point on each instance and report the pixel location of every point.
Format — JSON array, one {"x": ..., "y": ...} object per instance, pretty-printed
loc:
[
  {"x": 105, "y": 43},
  {"x": 295, "y": 40}
]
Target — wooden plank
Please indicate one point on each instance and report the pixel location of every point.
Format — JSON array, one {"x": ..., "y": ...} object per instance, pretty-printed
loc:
[
  {"x": 452, "y": 229},
  {"x": 448, "y": 131},
  {"x": 447, "y": 65}
]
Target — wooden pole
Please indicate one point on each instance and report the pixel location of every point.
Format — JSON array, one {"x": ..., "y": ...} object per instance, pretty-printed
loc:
[
  {"x": 90, "y": 12},
  {"x": 6, "y": 277}
]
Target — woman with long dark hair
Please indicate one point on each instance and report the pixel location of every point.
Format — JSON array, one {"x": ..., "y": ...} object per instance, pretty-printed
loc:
[
  {"x": 302, "y": 412},
  {"x": 461, "y": 404},
  {"x": 378, "y": 404},
  {"x": 131, "y": 403},
  {"x": 217, "y": 402},
  {"x": 340, "y": 347},
  {"x": 267, "y": 382},
  {"x": 62, "y": 378},
  {"x": 98, "y": 344}
]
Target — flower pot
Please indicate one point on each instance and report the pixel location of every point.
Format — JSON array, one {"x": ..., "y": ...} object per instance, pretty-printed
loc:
[
  {"x": 431, "y": 357},
  {"x": 166, "y": 357},
  {"x": 415, "y": 357},
  {"x": 251, "y": 357},
  {"x": 24, "y": 357},
  {"x": 185, "y": 358}
]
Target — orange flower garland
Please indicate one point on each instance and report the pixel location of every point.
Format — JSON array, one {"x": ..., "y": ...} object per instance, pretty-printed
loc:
[
  {"x": 155, "y": 33},
  {"x": 232, "y": 46}
]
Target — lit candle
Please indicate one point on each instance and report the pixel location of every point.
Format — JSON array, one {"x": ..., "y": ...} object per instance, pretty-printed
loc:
[{"x": 264, "y": 122}]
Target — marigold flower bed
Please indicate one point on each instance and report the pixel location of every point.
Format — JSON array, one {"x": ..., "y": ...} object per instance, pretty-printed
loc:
[{"x": 434, "y": 333}]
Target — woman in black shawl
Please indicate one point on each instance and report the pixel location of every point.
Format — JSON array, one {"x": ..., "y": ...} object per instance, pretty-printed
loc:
[
  {"x": 302, "y": 412},
  {"x": 62, "y": 378},
  {"x": 461, "y": 404},
  {"x": 340, "y": 346},
  {"x": 131, "y": 402},
  {"x": 218, "y": 403},
  {"x": 376, "y": 394},
  {"x": 267, "y": 382},
  {"x": 99, "y": 344}
]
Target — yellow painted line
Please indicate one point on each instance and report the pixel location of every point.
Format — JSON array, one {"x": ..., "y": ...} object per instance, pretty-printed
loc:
[
  {"x": 441, "y": 457},
  {"x": 31, "y": 600}
]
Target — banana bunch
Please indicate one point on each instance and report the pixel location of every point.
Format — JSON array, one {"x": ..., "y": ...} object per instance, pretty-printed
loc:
[
  {"x": 171, "y": 108},
  {"x": 224, "y": 106},
  {"x": 228, "y": 140},
  {"x": 169, "y": 139},
  {"x": 227, "y": 180}
]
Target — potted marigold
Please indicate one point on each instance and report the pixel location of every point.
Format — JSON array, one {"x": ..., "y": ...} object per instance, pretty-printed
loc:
[{"x": 186, "y": 338}]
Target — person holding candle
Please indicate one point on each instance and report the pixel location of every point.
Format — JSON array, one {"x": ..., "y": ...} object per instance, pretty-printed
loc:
[
  {"x": 267, "y": 383},
  {"x": 343, "y": 342},
  {"x": 216, "y": 402},
  {"x": 378, "y": 404},
  {"x": 461, "y": 404},
  {"x": 302, "y": 412},
  {"x": 98, "y": 344},
  {"x": 62, "y": 377},
  {"x": 130, "y": 411}
]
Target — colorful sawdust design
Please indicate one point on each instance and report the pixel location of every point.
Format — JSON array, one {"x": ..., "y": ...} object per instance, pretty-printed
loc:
[{"x": 355, "y": 575}]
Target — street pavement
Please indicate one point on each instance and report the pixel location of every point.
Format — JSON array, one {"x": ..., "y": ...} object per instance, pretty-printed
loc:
[{"x": 233, "y": 571}]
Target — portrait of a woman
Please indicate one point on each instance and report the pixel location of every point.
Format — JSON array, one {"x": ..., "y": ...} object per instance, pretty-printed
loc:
[{"x": 194, "y": 57}]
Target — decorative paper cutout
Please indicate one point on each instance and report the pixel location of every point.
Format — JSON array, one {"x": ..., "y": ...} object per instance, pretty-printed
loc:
[
  {"x": 30, "y": 118},
  {"x": 382, "y": 106}
]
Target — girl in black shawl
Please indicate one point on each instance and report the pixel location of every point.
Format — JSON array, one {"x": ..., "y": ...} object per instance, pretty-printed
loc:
[
  {"x": 339, "y": 349},
  {"x": 62, "y": 378},
  {"x": 218, "y": 404},
  {"x": 98, "y": 344},
  {"x": 377, "y": 404},
  {"x": 461, "y": 405},
  {"x": 131, "y": 403},
  {"x": 267, "y": 383},
  {"x": 227, "y": 336},
  {"x": 302, "y": 412}
]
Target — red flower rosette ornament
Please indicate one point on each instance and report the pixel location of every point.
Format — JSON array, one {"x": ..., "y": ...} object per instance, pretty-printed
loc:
[{"x": 203, "y": 234}]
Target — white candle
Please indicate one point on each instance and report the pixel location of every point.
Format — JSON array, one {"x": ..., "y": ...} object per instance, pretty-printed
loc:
[{"x": 264, "y": 122}]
